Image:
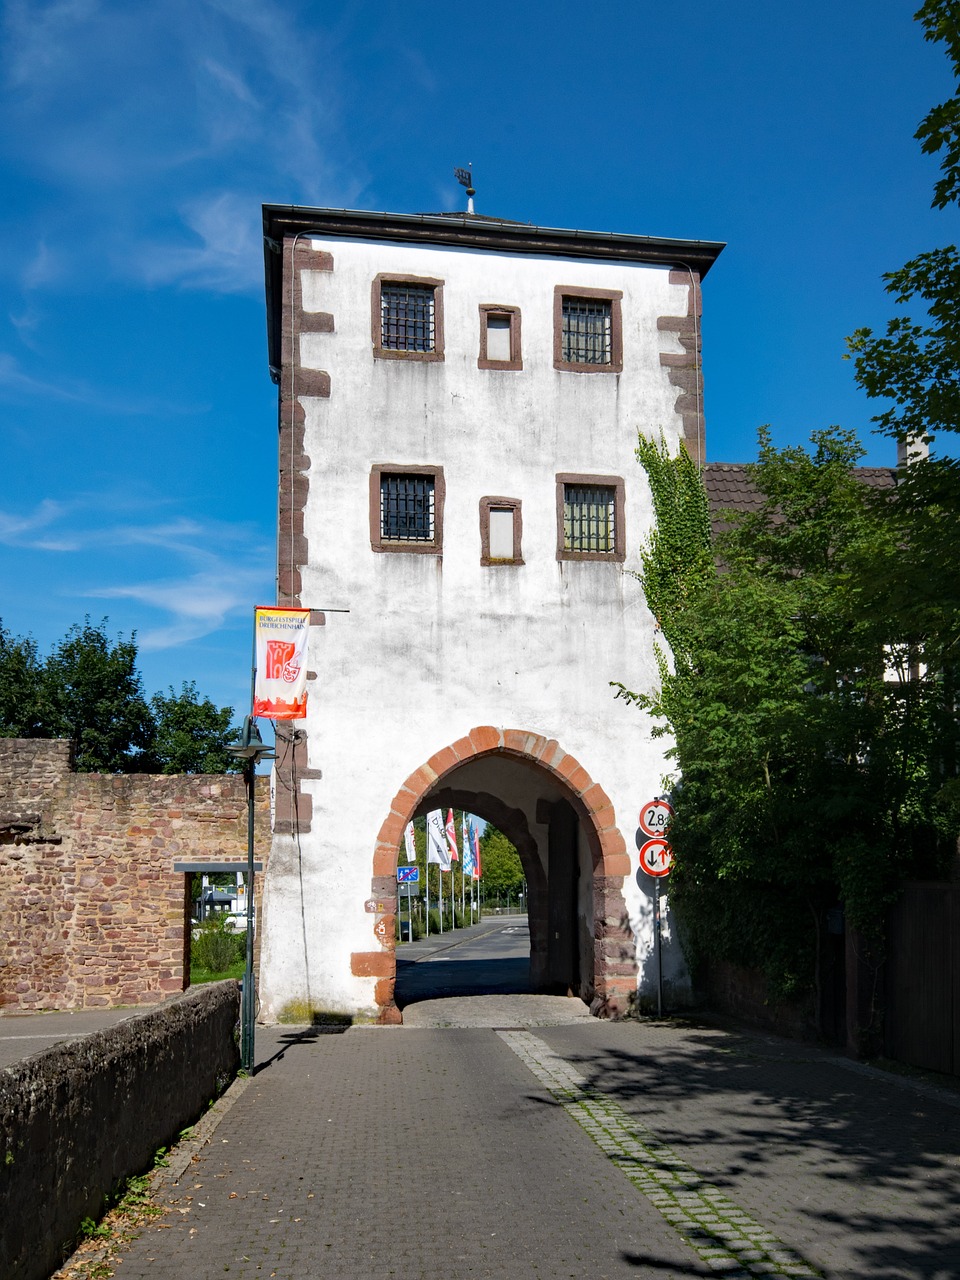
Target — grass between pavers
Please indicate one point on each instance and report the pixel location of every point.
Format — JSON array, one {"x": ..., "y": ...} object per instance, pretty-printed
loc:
[{"x": 725, "y": 1237}]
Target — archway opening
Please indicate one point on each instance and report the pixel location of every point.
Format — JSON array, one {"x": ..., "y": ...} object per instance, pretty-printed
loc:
[{"x": 573, "y": 857}]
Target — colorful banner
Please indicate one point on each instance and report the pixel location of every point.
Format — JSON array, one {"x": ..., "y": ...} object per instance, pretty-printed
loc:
[
  {"x": 475, "y": 839},
  {"x": 280, "y": 692},
  {"x": 437, "y": 849},
  {"x": 451, "y": 834},
  {"x": 409, "y": 843},
  {"x": 469, "y": 859}
]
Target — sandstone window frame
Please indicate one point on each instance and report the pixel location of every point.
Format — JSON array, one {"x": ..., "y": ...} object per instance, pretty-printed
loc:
[
  {"x": 570, "y": 480},
  {"x": 491, "y": 310},
  {"x": 563, "y": 293},
  {"x": 380, "y": 542},
  {"x": 425, "y": 283},
  {"x": 513, "y": 505}
]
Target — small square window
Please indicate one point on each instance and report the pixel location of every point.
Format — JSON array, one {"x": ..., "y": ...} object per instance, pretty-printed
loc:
[
  {"x": 501, "y": 529},
  {"x": 407, "y": 318},
  {"x": 590, "y": 518},
  {"x": 588, "y": 335},
  {"x": 499, "y": 337},
  {"x": 406, "y": 508}
]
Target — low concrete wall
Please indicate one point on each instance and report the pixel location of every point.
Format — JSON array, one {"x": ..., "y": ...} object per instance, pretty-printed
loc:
[{"x": 77, "y": 1118}]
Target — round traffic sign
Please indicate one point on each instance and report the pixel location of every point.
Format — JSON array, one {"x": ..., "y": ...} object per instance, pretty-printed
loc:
[
  {"x": 655, "y": 817},
  {"x": 656, "y": 858}
]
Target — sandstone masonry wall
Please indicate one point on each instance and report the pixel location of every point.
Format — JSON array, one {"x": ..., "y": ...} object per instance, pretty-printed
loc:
[
  {"x": 92, "y": 913},
  {"x": 79, "y": 1117}
]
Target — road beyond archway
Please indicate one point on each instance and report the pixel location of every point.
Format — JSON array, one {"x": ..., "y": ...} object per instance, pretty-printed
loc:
[{"x": 477, "y": 977}]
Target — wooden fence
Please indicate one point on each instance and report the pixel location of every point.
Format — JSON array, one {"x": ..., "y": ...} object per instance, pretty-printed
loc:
[{"x": 922, "y": 1023}]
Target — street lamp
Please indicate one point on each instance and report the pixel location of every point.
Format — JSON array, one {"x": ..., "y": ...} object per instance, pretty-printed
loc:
[{"x": 250, "y": 750}]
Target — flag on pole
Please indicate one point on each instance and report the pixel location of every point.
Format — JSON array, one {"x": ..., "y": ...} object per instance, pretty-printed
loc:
[
  {"x": 437, "y": 850},
  {"x": 451, "y": 834},
  {"x": 409, "y": 843},
  {"x": 280, "y": 688},
  {"x": 469, "y": 857},
  {"x": 475, "y": 840}
]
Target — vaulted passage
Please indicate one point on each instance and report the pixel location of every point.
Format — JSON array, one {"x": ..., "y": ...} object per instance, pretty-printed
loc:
[{"x": 573, "y": 857}]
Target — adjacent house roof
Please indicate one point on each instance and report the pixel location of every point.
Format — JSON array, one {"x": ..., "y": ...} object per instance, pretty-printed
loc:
[{"x": 729, "y": 488}]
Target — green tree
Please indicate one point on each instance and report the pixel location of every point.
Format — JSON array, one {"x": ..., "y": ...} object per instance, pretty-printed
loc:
[
  {"x": 191, "y": 734},
  {"x": 915, "y": 364},
  {"x": 93, "y": 694},
  {"x": 21, "y": 678},
  {"x": 812, "y": 715},
  {"x": 502, "y": 872},
  {"x": 88, "y": 689}
]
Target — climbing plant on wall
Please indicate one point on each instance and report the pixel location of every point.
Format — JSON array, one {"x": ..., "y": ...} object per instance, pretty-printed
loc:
[{"x": 811, "y": 753}]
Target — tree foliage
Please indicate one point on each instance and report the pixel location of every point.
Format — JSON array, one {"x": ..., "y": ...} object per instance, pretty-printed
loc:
[
  {"x": 191, "y": 734},
  {"x": 811, "y": 687},
  {"x": 812, "y": 710},
  {"x": 88, "y": 689},
  {"x": 500, "y": 864},
  {"x": 915, "y": 364}
]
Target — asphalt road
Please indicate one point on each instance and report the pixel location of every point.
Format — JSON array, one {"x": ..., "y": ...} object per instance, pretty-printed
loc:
[
  {"x": 489, "y": 958},
  {"x": 22, "y": 1035}
]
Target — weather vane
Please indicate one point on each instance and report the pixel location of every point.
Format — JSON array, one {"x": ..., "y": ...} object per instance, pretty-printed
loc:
[{"x": 465, "y": 178}]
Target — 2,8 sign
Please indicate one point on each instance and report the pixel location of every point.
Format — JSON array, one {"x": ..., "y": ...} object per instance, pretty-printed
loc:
[
  {"x": 655, "y": 817},
  {"x": 656, "y": 858}
]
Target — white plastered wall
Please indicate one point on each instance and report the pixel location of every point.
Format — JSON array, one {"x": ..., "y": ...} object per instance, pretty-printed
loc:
[{"x": 432, "y": 647}]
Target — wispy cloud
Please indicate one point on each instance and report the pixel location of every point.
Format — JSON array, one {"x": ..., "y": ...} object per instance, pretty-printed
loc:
[
  {"x": 228, "y": 257},
  {"x": 194, "y": 573},
  {"x": 26, "y": 530},
  {"x": 127, "y": 112},
  {"x": 198, "y": 604},
  {"x": 15, "y": 383}
]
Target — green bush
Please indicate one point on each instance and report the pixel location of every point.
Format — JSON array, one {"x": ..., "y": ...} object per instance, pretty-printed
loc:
[{"x": 217, "y": 948}]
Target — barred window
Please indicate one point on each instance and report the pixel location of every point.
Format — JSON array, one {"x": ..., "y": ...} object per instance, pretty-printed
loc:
[
  {"x": 406, "y": 508},
  {"x": 407, "y": 317},
  {"x": 587, "y": 331},
  {"x": 589, "y": 518}
]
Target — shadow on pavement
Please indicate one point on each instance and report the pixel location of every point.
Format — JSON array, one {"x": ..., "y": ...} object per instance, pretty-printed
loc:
[
  {"x": 770, "y": 1111},
  {"x": 444, "y": 977}
]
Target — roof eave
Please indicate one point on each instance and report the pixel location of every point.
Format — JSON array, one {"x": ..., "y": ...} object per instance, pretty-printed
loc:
[{"x": 280, "y": 221}]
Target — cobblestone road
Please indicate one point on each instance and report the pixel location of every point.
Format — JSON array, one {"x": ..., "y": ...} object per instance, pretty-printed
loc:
[{"x": 579, "y": 1149}]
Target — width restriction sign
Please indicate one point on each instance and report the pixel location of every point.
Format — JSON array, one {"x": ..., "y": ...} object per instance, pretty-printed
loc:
[
  {"x": 655, "y": 817},
  {"x": 656, "y": 858},
  {"x": 408, "y": 875}
]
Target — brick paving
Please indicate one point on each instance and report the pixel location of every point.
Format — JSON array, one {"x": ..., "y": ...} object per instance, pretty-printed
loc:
[{"x": 436, "y": 1152}]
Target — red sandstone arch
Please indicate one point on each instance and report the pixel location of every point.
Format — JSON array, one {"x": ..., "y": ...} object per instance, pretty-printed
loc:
[{"x": 614, "y": 963}]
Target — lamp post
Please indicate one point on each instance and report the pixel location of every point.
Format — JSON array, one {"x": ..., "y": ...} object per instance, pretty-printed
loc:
[{"x": 250, "y": 750}]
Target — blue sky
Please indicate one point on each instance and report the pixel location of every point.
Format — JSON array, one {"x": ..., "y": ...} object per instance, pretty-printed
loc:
[{"x": 138, "y": 141}]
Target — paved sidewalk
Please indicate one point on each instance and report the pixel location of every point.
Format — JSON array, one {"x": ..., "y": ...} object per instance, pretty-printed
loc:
[
  {"x": 591, "y": 1149},
  {"x": 24, "y": 1034}
]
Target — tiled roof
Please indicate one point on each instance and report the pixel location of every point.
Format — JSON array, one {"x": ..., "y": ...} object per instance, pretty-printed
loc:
[{"x": 729, "y": 488}]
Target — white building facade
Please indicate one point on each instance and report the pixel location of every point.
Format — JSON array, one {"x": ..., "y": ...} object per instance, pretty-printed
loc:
[{"x": 460, "y": 401}]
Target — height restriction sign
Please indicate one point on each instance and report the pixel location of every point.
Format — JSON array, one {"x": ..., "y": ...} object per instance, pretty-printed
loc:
[
  {"x": 655, "y": 817},
  {"x": 656, "y": 858}
]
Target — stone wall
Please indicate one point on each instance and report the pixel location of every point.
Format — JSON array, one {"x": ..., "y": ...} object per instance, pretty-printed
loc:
[
  {"x": 92, "y": 913},
  {"x": 78, "y": 1118}
]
